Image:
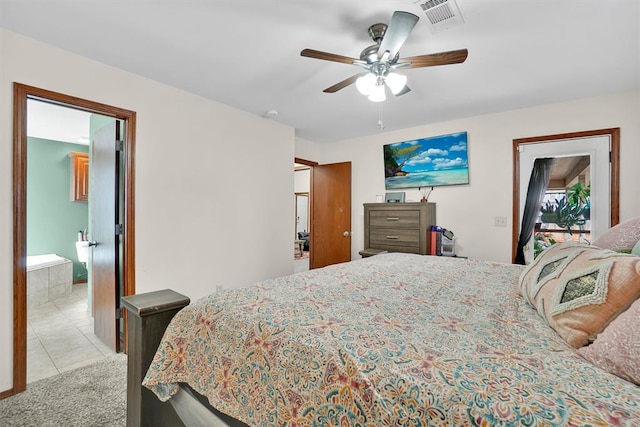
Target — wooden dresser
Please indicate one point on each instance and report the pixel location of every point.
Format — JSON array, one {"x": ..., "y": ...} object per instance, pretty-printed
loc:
[{"x": 398, "y": 227}]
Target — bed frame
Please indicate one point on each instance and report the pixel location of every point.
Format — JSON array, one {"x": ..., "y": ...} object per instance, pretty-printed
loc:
[{"x": 148, "y": 317}]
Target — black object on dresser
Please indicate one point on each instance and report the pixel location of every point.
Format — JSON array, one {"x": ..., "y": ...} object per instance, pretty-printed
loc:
[{"x": 398, "y": 227}]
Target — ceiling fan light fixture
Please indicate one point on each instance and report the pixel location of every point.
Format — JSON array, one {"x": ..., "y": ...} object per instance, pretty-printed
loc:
[
  {"x": 366, "y": 83},
  {"x": 377, "y": 93},
  {"x": 396, "y": 82},
  {"x": 380, "y": 59}
]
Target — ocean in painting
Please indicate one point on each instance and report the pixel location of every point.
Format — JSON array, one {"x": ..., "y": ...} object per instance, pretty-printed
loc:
[{"x": 429, "y": 178}]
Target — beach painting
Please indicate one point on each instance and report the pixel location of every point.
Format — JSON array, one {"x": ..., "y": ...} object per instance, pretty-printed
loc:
[{"x": 427, "y": 162}]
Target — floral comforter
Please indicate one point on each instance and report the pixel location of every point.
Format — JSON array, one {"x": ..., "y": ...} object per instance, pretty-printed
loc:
[{"x": 390, "y": 340}]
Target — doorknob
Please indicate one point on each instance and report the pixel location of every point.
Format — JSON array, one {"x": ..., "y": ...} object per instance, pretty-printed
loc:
[
  {"x": 92, "y": 243},
  {"x": 346, "y": 233}
]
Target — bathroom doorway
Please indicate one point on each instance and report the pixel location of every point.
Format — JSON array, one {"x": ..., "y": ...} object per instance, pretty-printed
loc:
[
  {"x": 126, "y": 257},
  {"x": 60, "y": 325}
]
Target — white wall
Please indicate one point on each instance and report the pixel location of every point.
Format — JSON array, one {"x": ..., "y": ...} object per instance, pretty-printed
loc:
[
  {"x": 214, "y": 185},
  {"x": 469, "y": 210},
  {"x": 302, "y": 180},
  {"x": 302, "y": 184},
  {"x": 308, "y": 150}
]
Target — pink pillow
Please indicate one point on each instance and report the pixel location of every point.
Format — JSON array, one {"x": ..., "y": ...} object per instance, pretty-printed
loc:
[
  {"x": 622, "y": 236},
  {"x": 617, "y": 348}
]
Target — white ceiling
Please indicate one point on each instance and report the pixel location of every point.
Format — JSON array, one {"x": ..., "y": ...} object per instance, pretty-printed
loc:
[
  {"x": 246, "y": 53},
  {"x": 57, "y": 123}
]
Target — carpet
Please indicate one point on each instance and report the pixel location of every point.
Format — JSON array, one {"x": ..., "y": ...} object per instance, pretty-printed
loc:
[{"x": 93, "y": 395}]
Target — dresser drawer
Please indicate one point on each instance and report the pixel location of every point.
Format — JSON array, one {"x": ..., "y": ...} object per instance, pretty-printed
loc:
[
  {"x": 382, "y": 237},
  {"x": 398, "y": 227},
  {"x": 396, "y": 218}
]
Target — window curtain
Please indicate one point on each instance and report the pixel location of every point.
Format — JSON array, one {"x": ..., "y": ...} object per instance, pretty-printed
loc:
[{"x": 538, "y": 183}]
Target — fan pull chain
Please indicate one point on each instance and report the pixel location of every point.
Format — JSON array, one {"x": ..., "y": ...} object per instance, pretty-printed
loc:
[{"x": 380, "y": 124}]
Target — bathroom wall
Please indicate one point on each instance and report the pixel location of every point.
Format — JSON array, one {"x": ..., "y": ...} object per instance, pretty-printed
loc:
[{"x": 53, "y": 220}]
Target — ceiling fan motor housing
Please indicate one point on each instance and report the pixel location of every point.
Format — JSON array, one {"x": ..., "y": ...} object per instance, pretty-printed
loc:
[
  {"x": 370, "y": 54},
  {"x": 377, "y": 31}
]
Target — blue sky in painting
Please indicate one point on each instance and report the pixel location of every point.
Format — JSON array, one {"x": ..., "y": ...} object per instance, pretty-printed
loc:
[{"x": 437, "y": 153}]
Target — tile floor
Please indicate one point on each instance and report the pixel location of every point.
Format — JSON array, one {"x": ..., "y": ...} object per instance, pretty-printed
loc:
[{"x": 60, "y": 336}]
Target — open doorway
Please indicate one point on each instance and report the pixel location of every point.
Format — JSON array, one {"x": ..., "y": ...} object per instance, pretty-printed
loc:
[
  {"x": 60, "y": 325},
  {"x": 22, "y": 94},
  {"x": 302, "y": 216},
  {"x": 565, "y": 214},
  {"x": 584, "y": 183},
  {"x": 329, "y": 213}
]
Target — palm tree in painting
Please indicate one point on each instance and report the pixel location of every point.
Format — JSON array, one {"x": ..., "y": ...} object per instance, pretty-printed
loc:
[{"x": 396, "y": 158}]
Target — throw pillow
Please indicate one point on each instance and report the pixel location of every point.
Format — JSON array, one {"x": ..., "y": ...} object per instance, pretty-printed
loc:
[
  {"x": 617, "y": 348},
  {"x": 621, "y": 236},
  {"x": 579, "y": 289}
]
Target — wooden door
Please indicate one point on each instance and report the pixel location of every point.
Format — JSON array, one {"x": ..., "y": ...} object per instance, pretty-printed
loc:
[
  {"x": 104, "y": 217},
  {"x": 330, "y": 238}
]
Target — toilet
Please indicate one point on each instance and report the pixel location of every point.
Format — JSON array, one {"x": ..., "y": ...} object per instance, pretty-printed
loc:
[{"x": 82, "y": 249}]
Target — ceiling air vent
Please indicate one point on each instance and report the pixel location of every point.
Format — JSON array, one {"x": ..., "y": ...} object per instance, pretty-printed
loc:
[{"x": 441, "y": 14}]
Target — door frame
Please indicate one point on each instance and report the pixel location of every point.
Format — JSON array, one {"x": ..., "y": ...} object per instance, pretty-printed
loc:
[
  {"x": 21, "y": 93},
  {"x": 614, "y": 168},
  {"x": 310, "y": 212},
  {"x": 308, "y": 222}
]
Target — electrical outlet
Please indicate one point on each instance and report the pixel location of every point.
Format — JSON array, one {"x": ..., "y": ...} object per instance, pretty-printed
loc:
[{"x": 500, "y": 221}]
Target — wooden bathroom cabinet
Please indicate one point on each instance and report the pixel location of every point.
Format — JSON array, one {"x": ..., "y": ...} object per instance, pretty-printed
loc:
[{"x": 79, "y": 176}]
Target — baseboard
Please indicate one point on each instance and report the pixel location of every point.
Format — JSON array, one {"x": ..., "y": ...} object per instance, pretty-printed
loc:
[
  {"x": 6, "y": 393},
  {"x": 79, "y": 282}
]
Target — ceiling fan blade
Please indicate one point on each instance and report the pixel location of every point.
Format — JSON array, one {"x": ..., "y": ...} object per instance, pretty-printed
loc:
[
  {"x": 397, "y": 32},
  {"x": 326, "y": 56},
  {"x": 433, "y": 59},
  {"x": 405, "y": 89},
  {"x": 341, "y": 85}
]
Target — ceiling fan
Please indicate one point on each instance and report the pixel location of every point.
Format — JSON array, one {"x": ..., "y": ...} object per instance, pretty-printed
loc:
[{"x": 381, "y": 59}]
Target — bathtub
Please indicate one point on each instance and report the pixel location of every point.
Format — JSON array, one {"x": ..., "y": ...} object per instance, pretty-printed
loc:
[{"x": 49, "y": 277}]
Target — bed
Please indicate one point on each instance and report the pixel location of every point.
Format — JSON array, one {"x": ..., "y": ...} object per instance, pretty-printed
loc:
[{"x": 398, "y": 339}]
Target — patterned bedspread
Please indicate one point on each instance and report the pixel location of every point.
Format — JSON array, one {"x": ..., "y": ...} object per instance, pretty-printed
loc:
[{"x": 390, "y": 340}]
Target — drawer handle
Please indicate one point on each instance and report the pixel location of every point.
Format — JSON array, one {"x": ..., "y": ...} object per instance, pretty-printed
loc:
[
  {"x": 393, "y": 218},
  {"x": 393, "y": 237}
]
